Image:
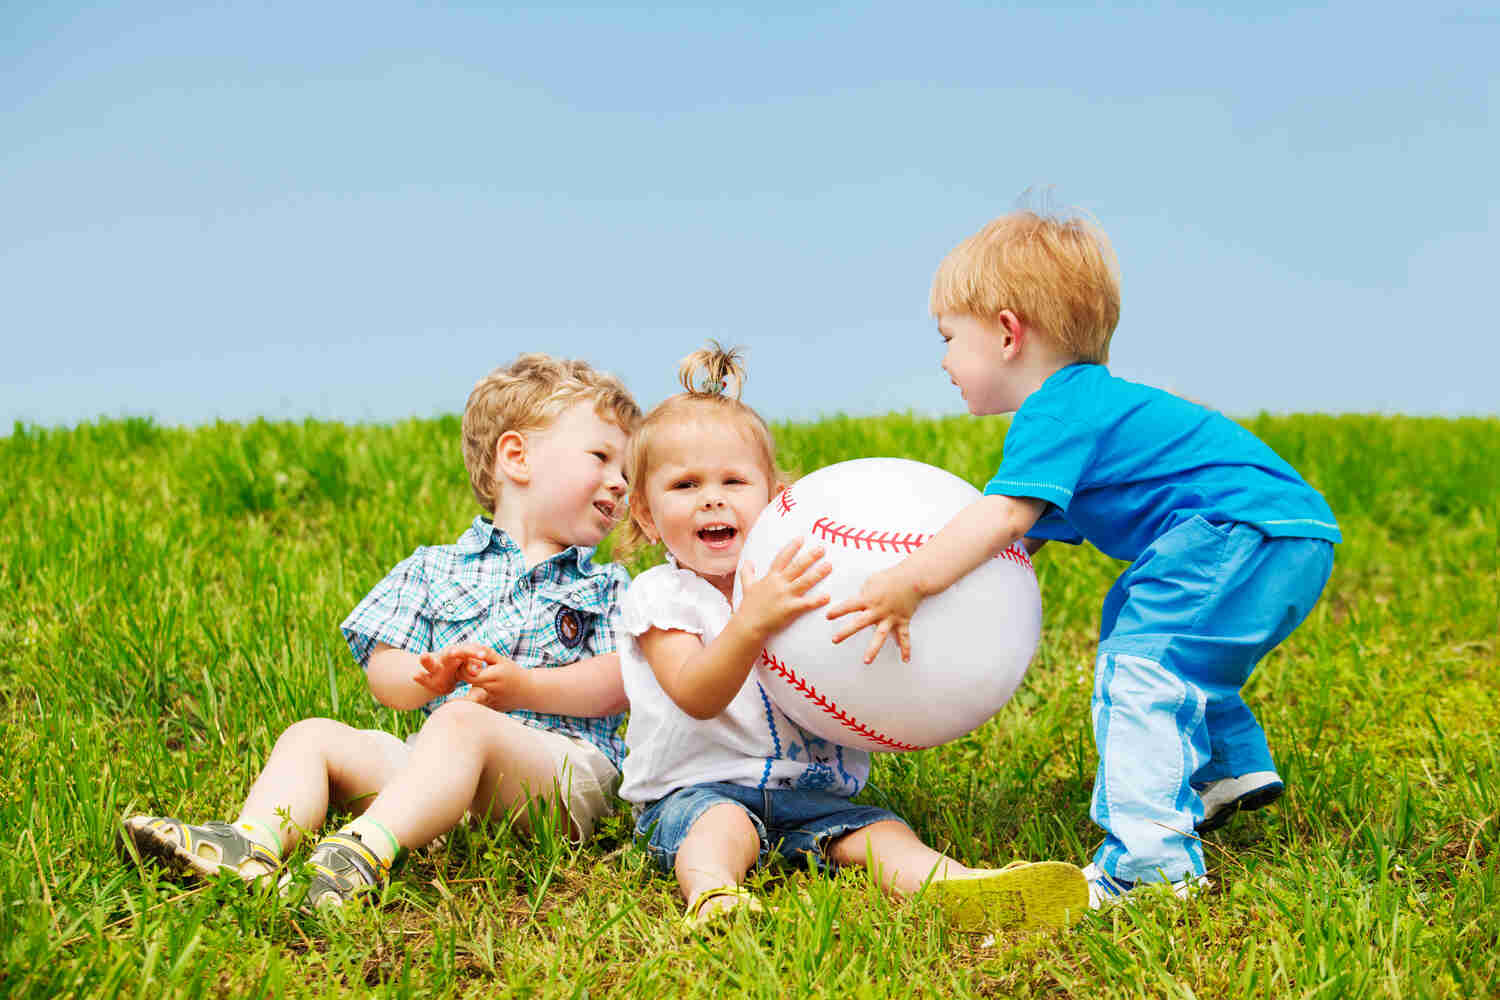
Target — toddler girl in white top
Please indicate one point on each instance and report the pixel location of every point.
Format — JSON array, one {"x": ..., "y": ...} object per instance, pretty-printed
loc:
[{"x": 717, "y": 775}]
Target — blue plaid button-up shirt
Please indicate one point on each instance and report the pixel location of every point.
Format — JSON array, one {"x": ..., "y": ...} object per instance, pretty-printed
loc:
[{"x": 478, "y": 589}]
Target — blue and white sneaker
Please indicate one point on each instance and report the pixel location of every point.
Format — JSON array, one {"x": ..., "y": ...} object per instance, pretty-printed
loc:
[
  {"x": 1227, "y": 796},
  {"x": 1106, "y": 890}
]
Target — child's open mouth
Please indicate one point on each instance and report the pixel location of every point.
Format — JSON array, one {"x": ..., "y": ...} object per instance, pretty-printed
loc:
[
  {"x": 718, "y": 536},
  {"x": 606, "y": 508}
]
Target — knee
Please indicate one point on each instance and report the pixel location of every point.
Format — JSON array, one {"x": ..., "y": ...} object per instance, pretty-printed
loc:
[
  {"x": 722, "y": 844},
  {"x": 459, "y": 719},
  {"x": 726, "y": 823},
  {"x": 310, "y": 735}
]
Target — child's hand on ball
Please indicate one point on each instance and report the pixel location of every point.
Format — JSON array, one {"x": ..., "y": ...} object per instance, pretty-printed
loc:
[
  {"x": 773, "y": 601},
  {"x": 887, "y": 600}
]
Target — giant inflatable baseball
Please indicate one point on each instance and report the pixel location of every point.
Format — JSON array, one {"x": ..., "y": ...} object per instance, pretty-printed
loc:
[{"x": 970, "y": 644}]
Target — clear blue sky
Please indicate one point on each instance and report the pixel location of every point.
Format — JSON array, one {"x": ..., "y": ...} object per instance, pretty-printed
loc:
[{"x": 355, "y": 210}]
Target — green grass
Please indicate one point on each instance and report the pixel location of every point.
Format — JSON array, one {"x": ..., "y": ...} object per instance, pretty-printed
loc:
[{"x": 170, "y": 604}]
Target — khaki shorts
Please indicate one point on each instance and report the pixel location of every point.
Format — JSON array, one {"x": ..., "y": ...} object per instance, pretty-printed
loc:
[{"x": 586, "y": 777}]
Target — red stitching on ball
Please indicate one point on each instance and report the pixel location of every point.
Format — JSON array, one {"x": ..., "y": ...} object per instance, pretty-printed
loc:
[
  {"x": 784, "y": 501},
  {"x": 863, "y": 538},
  {"x": 890, "y": 541},
  {"x": 830, "y": 708},
  {"x": 1017, "y": 555}
]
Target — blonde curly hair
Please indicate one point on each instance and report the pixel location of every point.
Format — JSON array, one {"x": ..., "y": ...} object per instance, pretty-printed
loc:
[{"x": 527, "y": 395}]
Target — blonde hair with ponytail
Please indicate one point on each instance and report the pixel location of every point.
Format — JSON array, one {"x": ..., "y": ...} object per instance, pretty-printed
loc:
[{"x": 712, "y": 379}]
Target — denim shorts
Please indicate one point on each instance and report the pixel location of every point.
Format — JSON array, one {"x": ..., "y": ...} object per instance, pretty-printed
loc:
[{"x": 796, "y": 824}]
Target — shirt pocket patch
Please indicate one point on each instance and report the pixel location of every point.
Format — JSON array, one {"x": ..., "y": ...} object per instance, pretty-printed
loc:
[{"x": 456, "y": 610}]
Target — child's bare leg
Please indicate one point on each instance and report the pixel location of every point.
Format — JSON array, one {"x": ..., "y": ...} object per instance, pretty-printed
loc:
[
  {"x": 316, "y": 761},
  {"x": 895, "y": 855},
  {"x": 468, "y": 758},
  {"x": 1044, "y": 894},
  {"x": 718, "y": 850},
  {"x": 312, "y": 760}
]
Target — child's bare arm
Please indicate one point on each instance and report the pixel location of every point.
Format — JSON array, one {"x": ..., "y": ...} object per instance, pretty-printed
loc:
[
  {"x": 590, "y": 688},
  {"x": 889, "y": 599},
  {"x": 703, "y": 680},
  {"x": 391, "y": 674},
  {"x": 406, "y": 680}
]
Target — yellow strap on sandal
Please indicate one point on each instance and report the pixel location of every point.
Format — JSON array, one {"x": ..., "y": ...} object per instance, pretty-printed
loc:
[{"x": 695, "y": 919}]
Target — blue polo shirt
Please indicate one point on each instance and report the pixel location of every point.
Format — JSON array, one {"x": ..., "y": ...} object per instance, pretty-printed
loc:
[{"x": 1121, "y": 464}]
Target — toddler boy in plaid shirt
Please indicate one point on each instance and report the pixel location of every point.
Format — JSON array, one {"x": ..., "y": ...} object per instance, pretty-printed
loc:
[{"x": 505, "y": 639}]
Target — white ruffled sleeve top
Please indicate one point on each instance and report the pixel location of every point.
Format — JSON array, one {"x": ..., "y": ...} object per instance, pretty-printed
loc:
[{"x": 749, "y": 743}]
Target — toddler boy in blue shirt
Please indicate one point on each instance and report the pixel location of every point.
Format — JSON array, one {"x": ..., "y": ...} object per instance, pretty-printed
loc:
[{"x": 1229, "y": 548}]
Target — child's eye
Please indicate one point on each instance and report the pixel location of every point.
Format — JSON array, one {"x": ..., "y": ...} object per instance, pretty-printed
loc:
[
  {"x": 683, "y": 484},
  {"x": 601, "y": 456}
]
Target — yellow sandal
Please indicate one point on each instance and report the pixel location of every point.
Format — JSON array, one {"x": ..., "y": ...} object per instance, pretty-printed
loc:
[
  {"x": 1022, "y": 894},
  {"x": 695, "y": 919}
]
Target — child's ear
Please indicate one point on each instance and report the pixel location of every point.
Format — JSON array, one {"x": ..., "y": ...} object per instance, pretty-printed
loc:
[
  {"x": 1012, "y": 330},
  {"x": 511, "y": 459}
]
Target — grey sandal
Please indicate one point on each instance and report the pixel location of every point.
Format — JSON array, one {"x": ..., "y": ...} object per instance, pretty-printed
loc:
[
  {"x": 198, "y": 851},
  {"x": 340, "y": 870}
]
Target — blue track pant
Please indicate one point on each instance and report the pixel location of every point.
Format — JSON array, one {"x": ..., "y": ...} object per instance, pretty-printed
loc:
[{"x": 1181, "y": 631}]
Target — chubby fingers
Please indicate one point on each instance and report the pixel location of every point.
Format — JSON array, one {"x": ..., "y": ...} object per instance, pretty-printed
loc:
[
  {"x": 785, "y": 555},
  {"x": 479, "y": 673},
  {"x": 473, "y": 651},
  {"x": 881, "y": 631},
  {"x": 808, "y": 602},
  {"x": 903, "y": 639},
  {"x": 800, "y": 563},
  {"x": 430, "y": 673},
  {"x": 810, "y": 577},
  {"x": 476, "y": 666},
  {"x": 846, "y": 607},
  {"x": 864, "y": 619}
]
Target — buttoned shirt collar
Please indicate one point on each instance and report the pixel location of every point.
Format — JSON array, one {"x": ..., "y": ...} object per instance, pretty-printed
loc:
[{"x": 483, "y": 534}]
